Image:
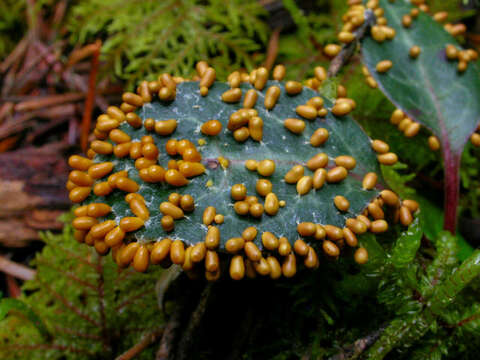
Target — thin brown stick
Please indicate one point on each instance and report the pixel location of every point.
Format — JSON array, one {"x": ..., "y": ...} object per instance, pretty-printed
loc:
[
  {"x": 78, "y": 55},
  {"x": 56, "y": 21},
  {"x": 144, "y": 342},
  {"x": 77, "y": 81},
  {"x": 8, "y": 143},
  {"x": 51, "y": 100},
  {"x": 21, "y": 122},
  {"x": 15, "y": 54},
  {"x": 9, "y": 78},
  {"x": 30, "y": 69},
  {"x": 87, "y": 115},
  {"x": 45, "y": 128},
  {"x": 6, "y": 110},
  {"x": 272, "y": 49},
  {"x": 17, "y": 270},
  {"x": 14, "y": 290}
]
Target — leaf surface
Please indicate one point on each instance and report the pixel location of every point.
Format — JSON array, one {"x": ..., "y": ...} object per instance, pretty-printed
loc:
[
  {"x": 407, "y": 244},
  {"x": 428, "y": 89},
  {"x": 287, "y": 149}
]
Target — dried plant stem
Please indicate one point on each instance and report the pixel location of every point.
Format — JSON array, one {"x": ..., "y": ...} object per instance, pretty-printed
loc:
[
  {"x": 144, "y": 342},
  {"x": 272, "y": 49},
  {"x": 51, "y": 100},
  {"x": 18, "y": 271},
  {"x": 87, "y": 114},
  {"x": 451, "y": 192}
]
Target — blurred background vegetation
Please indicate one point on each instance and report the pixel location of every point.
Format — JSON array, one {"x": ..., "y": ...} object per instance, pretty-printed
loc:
[{"x": 91, "y": 310}]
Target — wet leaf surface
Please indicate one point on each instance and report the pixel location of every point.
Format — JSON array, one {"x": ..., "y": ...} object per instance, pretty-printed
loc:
[
  {"x": 285, "y": 148},
  {"x": 428, "y": 89}
]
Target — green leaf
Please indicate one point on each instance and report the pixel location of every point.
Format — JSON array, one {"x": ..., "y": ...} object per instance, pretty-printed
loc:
[
  {"x": 428, "y": 89},
  {"x": 407, "y": 244},
  {"x": 401, "y": 330},
  {"x": 9, "y": 304},
  {"x": 442, "y": 264},
  {"x": 376, "y": 253},
  {"x": 445, "y": 293},
  {"x": 287, "y": 149}
]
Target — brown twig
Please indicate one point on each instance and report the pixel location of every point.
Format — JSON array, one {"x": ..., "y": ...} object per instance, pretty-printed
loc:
[
  {"x": 78, "y": 82},
  {"x": 87, "y": 115},
  {"x": 19, "y": 123},
  {"x": 8, "y": 143},
  {"x": 72, "y": 132},
  {"x": 144, "y": 342},
  {"x": 50, "y": 100},
  {"x": 9, "y": 78},
  {"x": 17, "y": 270},
  {"x": 272, "y": 49},
  {"x": 30, "y": 72},
  {"x": 45, "y": 128},
  {"x": 15, "y": 55},
  {"x": 13, "y": 288},
  {"x": 6, "y": 110},
  {"x": 58, "y": 16},
  {"x": 78, "y": 55}
]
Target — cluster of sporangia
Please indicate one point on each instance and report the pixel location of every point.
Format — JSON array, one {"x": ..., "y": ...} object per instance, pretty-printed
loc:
[
  {"x": 381, "y": 32},
  {"x": 277, "y": 257}
]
